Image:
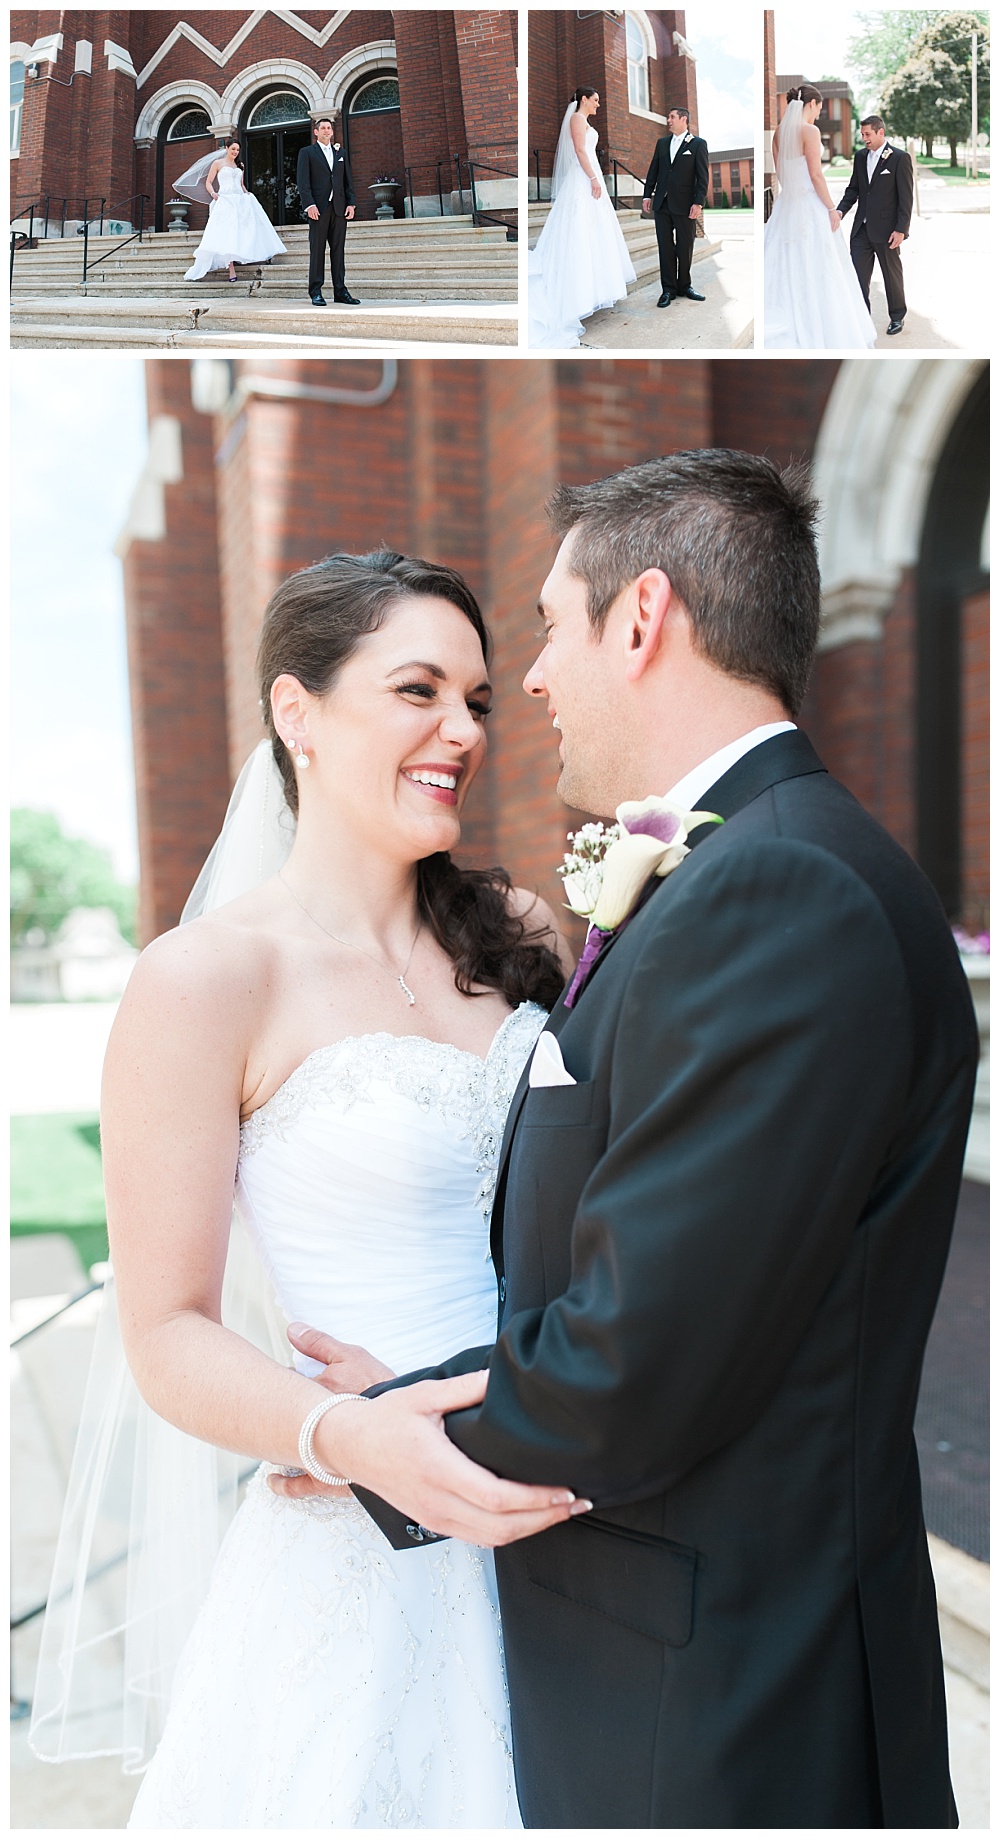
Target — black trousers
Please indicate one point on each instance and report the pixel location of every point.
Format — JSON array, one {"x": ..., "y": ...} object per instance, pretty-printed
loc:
[
  {"x": 863, "y": 254},
  {"x": 675, "y": 240},
  {"x": 327, "y": 231}
]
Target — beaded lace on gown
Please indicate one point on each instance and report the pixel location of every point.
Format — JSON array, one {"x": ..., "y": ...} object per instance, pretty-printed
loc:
[{"x": 330, "y": 1681}]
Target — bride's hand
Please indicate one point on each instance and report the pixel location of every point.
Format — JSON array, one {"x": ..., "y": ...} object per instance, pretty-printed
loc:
[
  {"x": 595, "y": 188},
  {"x": 348, "y": 1369},
  {"x": 834, "y": 220}
]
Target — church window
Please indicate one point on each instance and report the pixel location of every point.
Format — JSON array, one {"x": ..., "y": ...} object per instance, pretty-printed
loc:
[
  {"x": 638, "y": 64},
  {"x": 381, "y": 93},
  {"x": 186, "y": 126},
  {"x": 283, "y": 105},
  {"x": 16, "y": 104}
]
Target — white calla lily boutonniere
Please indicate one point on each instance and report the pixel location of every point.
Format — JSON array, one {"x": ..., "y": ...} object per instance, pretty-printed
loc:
[{"x": 607, "y": 867}]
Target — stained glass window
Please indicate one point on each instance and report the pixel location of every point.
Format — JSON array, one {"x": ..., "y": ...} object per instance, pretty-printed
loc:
[
  {"x": 193, "y": 121},
  {"x": 273, "y": 110},
  {"x": 381, "y": 93}
]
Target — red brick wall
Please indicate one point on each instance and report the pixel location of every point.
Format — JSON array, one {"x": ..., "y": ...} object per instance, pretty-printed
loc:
[
  {"x": 176, "y": 670},
  {"x": 976, "y": 763},
  {"x": 770, "y": 86},
  {"x": 566, "y": 51},
  {"x": 376, "y": 150},
  {"x": 79, "y": 141},
  {"x": 457, "y": 465}
]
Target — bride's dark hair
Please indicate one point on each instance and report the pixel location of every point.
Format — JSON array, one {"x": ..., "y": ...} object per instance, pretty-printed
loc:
[
  {"x": 584, "y": 90},
  {"x": 806, "y": 92},
  {"x": 233, "y": 140},
  {"x": 313, "y": 624}
]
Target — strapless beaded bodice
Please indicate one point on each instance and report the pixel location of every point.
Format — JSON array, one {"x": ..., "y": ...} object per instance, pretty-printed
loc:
[
  {"x": 229, "y": 179},
  {"x": 367, "y": 1182}
]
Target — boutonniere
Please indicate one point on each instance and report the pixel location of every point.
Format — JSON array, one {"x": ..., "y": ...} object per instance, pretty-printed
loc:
[
  {"x": 885, "y": 153},
  {"x": 607, "y": 866}
]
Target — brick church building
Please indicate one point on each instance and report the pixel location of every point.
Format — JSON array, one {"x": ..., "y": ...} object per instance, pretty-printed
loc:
[
  {"x": 640, "y": 63},
  {"x": 113, "y": 107},
  {"x": 454, "y": 459}
]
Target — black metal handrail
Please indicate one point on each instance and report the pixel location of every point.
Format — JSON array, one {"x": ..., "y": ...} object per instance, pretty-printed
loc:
[
  {"x": 136, "y": 236},
  {"x": 30, "y": 211},
  {"x": 479, "y": 216},
  {"x": 617, "y": 164},
  {"x": 438, "y": 167},
  {"x": 536, "y": 154}
]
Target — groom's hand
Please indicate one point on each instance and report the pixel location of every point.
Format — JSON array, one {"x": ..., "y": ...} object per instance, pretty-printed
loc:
[
  {"x": 346, "y": 1368},
  {"x": 896, "y": 240}
]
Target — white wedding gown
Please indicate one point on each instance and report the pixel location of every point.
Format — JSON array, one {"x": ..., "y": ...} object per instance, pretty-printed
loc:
[
  {"x": 580, "y": 262},
  {"x": 238, "y": 230},
  {"x": 330, "y": 1681},
  {"x": 812, "y": 298}
]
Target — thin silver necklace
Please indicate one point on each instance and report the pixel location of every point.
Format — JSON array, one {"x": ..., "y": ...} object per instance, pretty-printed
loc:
[{"x": 400, "y": 975}]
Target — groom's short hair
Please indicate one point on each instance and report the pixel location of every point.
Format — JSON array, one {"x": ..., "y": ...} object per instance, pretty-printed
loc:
[
  {"x": 674, "y": 110},
  {"x": 737, "y": 539},
  {"x": 873, "y": 121}
]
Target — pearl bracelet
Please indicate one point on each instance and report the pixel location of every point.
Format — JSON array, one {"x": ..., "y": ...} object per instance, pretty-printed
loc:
[{"x": 307, "y": 1455}]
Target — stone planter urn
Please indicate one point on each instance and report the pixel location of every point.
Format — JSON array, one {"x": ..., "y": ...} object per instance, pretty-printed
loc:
[
  {"x": 178, "y": 208},
  {"x": 383, "y": 190}
]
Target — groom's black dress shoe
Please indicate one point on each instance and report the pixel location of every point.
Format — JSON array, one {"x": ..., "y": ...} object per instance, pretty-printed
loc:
[
  {"x": 346, "y": 299},
  {"x": 317, "y": 300},
  {"x": 665, "y": 298},
  {"x": 895, "y": 325},
  {"x": 688, "y": 293}
]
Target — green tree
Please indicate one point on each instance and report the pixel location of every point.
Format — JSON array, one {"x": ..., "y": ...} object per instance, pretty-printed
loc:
[
  {"x": 51, "y": 873},
  {"x": 886, "y": 42},
  {"x": 931, "y": 94}
]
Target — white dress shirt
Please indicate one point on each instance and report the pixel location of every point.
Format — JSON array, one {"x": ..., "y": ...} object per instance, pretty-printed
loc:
[
  {"x": 676, "y": 140},
  {"x": 327, "y": 153},
  {"x": 689, "y": 791},
  {"x": 874, "y": 155}
]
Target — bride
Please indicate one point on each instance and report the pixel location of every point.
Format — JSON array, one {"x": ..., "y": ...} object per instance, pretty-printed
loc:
[
  {"x": 339, "y": 1045},
  {"x": 581, "y": 261},
  {"x": 238, "y": 230},
  {"x": 812, "y": 300}
]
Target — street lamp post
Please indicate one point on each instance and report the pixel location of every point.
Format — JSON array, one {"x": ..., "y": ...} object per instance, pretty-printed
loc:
[{"x": 975, "y": 106}]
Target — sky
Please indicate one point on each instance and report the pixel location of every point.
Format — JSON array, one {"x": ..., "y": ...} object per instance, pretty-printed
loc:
[
  {"x": 724, "y": 37},
  {"x": 813, "y": 43},
  {"x": 78, "y": 439}
]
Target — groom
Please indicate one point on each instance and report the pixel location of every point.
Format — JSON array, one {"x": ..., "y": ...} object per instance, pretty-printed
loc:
[
  {"x": 881, "y": 185},
  {"x": 725, "y": 1199},
  {"x": 675, "y": 191},
  {"x": 327, "y": 193}
]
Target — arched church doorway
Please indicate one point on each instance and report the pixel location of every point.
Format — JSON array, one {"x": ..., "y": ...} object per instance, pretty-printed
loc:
[
  {"x": 183, "y": 136},
  {"x": 373, "y": 138},
  {"x": 274, "y": 127}
]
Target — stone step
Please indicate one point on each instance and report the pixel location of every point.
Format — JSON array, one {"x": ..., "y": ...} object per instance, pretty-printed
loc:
[
  {"x": 254, "y": 325},
  {"x": 486, "y": 292},
  {"x": 451, "y": 260}
]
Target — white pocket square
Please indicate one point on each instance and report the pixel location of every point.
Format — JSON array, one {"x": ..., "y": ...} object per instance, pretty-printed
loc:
[{"x": 547, "y": 1067}]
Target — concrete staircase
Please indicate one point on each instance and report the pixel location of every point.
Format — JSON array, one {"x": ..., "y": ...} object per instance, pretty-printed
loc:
[
  {"x": 640, "y": 235},
  {"x": 433, "y": 280},
  {"x": 431, "y": 258}
]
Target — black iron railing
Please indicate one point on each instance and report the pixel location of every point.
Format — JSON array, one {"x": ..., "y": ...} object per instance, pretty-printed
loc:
[
  {"x": 479, "y": 215},
  {"x": 627, "y": 202},
  {"x": 142, "y": 198},
  {"x": 437, "y": 167}
]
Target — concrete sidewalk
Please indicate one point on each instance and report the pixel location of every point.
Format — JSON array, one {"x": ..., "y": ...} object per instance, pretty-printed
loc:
[{"x": 722, "y": 322}]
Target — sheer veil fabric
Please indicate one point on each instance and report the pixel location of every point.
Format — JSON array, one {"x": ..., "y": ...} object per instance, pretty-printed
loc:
[
  {"x": 147, "y": 1505},
  {"x": 812, "y": 297},
  {"x": 581, "y": 261}
]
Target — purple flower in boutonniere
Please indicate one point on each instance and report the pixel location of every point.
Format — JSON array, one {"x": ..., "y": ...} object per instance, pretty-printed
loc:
[{"x": 606, "y": 870}]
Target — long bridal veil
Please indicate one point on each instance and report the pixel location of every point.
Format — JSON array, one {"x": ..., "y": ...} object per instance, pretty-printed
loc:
[
  {"x": 789, "y": 140},
  {"x": 565, "y": 159},
  {"x": 147, "y": 1505}
]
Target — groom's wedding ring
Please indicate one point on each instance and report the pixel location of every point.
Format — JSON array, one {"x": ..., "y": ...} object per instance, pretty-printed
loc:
[{"x": 307, "y": 1455}]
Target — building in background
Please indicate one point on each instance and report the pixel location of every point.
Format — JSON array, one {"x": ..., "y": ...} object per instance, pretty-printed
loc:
[
  {"x": 121, "y": 103},
  {"x": 836, "y": 118},
  {"x": 731, "y": 177},
  {"x": 641, "y": 64},
  {"x": 455, "y": 460}
]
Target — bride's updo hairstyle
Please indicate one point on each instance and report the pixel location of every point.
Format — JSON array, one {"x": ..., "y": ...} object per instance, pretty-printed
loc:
[
  {"x": 314, "y": 623},
  {"x": 806, "y": 92},
  {"x": 234, "y": 141},
  {"x": 578, "y": 94}
]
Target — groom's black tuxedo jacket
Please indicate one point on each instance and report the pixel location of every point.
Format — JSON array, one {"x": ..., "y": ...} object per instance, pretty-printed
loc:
[
  {"x": 720, "y": 1252},
  {"x": 886, "y": 204},
  {"x": 681, "y": 183},
  {"x": 320, "y": 186}
]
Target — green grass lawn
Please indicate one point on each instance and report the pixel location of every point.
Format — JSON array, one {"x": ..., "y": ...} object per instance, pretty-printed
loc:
[
  {"x": 956, "y": 175},
  {"x": 56, "y": 1185}
]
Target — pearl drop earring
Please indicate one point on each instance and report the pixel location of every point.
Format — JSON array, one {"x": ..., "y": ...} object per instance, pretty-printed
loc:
[{"x": 300, "y": 759}]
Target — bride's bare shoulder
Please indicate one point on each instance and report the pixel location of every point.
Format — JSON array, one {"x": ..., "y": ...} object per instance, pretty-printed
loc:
[
  {"x": 810, "y": 134},
  {"x": 212, "y": 969}
]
